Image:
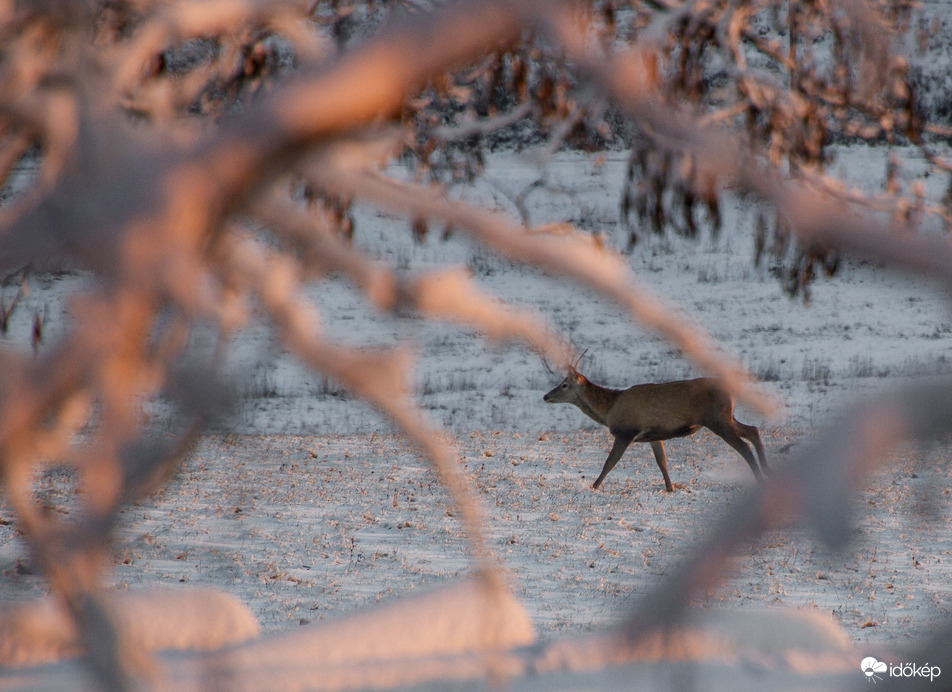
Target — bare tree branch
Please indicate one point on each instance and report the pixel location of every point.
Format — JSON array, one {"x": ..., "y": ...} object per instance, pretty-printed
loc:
[{"x": 576, "y": 256}]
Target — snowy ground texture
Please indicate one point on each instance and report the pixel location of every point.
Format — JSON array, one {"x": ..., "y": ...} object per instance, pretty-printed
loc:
[
  {"x": 309, "y": 506},
  {"x": 303, "y": 528}
]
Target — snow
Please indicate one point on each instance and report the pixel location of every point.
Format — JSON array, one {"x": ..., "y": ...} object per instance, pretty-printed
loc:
[
  {"x": 305, "y": 505},
  {"x": 152, "y": 620},
  {"x": 862, "y": 326}
]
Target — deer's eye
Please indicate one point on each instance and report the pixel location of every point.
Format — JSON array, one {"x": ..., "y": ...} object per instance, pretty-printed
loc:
[{"x": 564, "y": 386}]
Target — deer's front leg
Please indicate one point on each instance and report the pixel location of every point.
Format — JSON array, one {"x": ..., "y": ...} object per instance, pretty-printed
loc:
[{"x": 621, "y": 444}]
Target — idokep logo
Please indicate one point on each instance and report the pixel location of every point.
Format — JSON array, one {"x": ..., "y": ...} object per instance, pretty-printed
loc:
[{"x": 875, "y": 670}]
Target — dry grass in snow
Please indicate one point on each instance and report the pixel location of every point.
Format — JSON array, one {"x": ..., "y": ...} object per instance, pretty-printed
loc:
[{"x": 303, "y": 529}]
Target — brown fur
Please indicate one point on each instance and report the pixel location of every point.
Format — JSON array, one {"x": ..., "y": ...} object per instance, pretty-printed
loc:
[{"x": 656, "y": 412}]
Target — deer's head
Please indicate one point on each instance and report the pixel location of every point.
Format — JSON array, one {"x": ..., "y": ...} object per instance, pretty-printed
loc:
[{"x": 569, "y": 389}]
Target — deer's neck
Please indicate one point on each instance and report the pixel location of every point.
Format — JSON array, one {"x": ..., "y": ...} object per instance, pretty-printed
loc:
[{"x": 597, "y": 401}]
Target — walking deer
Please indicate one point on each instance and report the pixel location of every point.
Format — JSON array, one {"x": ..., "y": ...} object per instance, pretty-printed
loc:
[{"x": 654, "y": 413}]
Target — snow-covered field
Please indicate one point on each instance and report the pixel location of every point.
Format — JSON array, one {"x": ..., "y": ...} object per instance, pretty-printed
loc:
[
  {"x": 302, "y": 528},
  {"x": 306, "y": 505}
]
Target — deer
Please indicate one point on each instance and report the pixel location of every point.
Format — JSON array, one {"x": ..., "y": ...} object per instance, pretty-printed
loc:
[{"x": 654, "y": 413}]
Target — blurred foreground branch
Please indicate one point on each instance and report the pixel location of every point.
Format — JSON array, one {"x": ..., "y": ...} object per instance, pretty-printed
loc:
[{"x": 160, "y": 133}]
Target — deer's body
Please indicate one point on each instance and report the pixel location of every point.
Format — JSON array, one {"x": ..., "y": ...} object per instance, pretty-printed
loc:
[{"x": 656, "y": 412}]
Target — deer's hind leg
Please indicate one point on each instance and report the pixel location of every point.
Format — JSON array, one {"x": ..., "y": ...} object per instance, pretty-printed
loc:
[
  {"x": 750, "y": 433},
  {"x": 726, "y": 433}
]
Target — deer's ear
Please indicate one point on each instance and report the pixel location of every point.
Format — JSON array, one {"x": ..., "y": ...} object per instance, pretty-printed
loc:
[{"x": 579, "y": 377}]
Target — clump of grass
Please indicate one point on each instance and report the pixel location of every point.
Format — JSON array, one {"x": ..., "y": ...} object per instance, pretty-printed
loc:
[
  {"x": 708, "y": 274},
  {"x": 457, "y": 381},
  {"x": 816, "y": 370},
  {"x": 327, "y": 387},
  {"x": 768, "y": 372},
  {"x": 262, "y": 384},
  {"x": 860, "y": 366}
]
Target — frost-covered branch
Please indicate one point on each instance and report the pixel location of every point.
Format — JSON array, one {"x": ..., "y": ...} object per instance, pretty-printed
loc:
[
  {"x": 161, "y": 132},
  {"x": 570, "y": 254}
]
